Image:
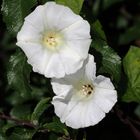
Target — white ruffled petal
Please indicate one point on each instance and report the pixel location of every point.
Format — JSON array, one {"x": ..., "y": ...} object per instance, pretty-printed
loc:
[
  {"x": 78, "y": 30},
  {"x": 71, "y": 60},
  {"x": 59, "y": 17},
  {"x": 55, "y": 67},
  {"x": 81, "y": 47},
  {"x": 29, "y": 33},
  {"x": 103, "y": 82},
  {"x": 36, "y": 18},
  {"x": 90, "y": 68},
  {"x": 78, "y": 113},
  {"x": 60, "y": 86},
  {"x": 105, "y": 98}
]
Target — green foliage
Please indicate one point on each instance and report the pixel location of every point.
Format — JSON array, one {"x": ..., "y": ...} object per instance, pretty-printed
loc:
[
  {"x": 19, "y": 133},
  {"x": 39, "y": 109},
  {"x": 130, "y": 34},
  {"x": 75, "y": 5},
  {"x": 14, "y": 12},
  {"x": 110, "y": 62},
  {"x": 21, "y": 112},
  {"x": 131, "y": 65},
  {"x": 18, "y": 74},
  {"x": 56, "y": 126}
]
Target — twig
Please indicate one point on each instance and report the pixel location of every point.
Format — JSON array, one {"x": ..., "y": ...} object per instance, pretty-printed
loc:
[
  {"x": 126, "y": 120},
  {"x": 17, "y": 121}
]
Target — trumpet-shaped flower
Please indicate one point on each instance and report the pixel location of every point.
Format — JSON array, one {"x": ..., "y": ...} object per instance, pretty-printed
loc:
[
  {"x": 82, "y": 99},
  {"x": 55, "y": 40}
]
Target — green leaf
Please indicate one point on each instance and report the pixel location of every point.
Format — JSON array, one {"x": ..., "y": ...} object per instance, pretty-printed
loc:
[
  {"x": 20, "y": 133},
  {"x": 108, "y": 61},
  {"x": 21, "y": 112},
  {"x": 130, "y": 34},
  {"x": 131, "y": 64},
  {"x": 18, "y": 74},
  {"x": 14, "y": 12},
  {"x": 98, "y": 30},
  {"x": 75, "y": 5},
  {"x": 56, "y": 126},
  {"x": 39, "y": 109}
]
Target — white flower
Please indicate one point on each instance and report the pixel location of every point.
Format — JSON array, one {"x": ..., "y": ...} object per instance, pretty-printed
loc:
[
  {"x": 82, "y": 98},
  {"x": 55, "y": 40}
]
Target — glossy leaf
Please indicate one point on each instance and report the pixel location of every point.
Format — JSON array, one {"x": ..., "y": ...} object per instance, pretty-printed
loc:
[
  {"x": 21, "y": 112},
  {"x": 56, "y": 126},
  {"x": 108, "y": 61},
  {"x": 75, "y": 5},
  {"x": 18, "y": 75},
  {"x": 39, "y": 109},
  {"x": 131, "y": 65},
  {"x": 14, "y": 12}
]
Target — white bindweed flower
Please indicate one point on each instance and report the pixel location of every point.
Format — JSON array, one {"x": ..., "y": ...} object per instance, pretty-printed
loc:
[
  {"x": 82, "y": 98},
  {"x": 55, "y": 40}
]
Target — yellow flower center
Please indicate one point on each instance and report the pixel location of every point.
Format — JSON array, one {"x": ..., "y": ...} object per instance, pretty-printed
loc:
[
  {"x": 52, "y": 40},
  {"x": 87, "y": 89}
]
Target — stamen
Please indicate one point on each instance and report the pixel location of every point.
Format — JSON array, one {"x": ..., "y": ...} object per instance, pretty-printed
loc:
[{"x": 87, "y": 89}]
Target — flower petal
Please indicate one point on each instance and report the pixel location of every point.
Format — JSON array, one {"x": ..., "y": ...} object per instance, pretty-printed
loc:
[
  {"x": 29, "y": 33},
  {"x": 105, "y": 98},
  {"x": 71, "y": 60},
  {"x": 59, "y": 16},
  {"x": 36, "y": 18},
  {"x": 60, "y": 86},
  {"x": 103, "y": 82},
  {"x": 78, "y": 113},
  {"x": 81, "y": 47},
  {"x": 78, "y": 30},
  {"x": 55, "y": 67},
  {"x": 90, "y": 68}
]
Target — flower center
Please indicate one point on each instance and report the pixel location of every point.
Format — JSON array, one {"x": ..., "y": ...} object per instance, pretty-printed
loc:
[
  {"x": 87, "y": 89},
  {"x": 52, "y": 40}
]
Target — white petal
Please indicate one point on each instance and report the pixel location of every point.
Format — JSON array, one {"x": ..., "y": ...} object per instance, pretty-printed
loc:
[
  {"x": 78, "y": 114},
  {"x": 78, "y": 30},
  {"x": 105, "y": 98},
  {"x": 71, "y": 60},
  {"x": 90, "y": 68},
  {"x": 59, "y": 105},
  {"x": 81, "y": 47},
  {"x": 37, "y": 55},
  {"x": 60, "y": 86},
  {"x": 36, "y": 18},
  {"x": 55, "y": 67},
  {"x": 59, "y": 16},
  {"x": 29, "y": 33},
  {"x": 103, "y": 82}
]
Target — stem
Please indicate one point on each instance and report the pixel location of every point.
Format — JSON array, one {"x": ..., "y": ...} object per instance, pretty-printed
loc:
[
  {"x": 17, "y": 121},
  {"x": 127, "y": 121}
]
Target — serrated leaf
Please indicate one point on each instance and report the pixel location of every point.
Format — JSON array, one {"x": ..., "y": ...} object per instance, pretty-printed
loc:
[
  {"x": 14, "y": 12},
  {"x": 75, "y": 5},
  {"x": 131, "y": 64},
  {"x": 21, "y": 112},
  {"x": 39, "y": 109},
  {"x": 56, "y": 126},
  {"x": 18, "y": 74},
  {"x": 106, "y": 58}
]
